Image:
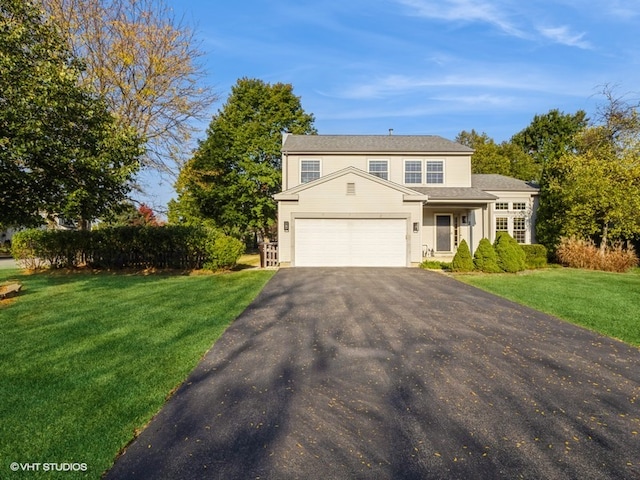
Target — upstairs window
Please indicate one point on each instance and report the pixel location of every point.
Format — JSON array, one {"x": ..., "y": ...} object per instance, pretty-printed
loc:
[
  {"x": 379, "y": 168},
  {"x": 502, "y": 205},
  {"x": 413, "y": 171},
  {"x": 435, "y": 171},
  {"x": 519, "y": 206},
  {"x": 309, "y": 170}
]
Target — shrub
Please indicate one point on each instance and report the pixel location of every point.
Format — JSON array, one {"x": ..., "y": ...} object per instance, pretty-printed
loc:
[
  {"x": 579, "y": 253},
  {"x": 620, "y": 259},
  {"x": 485, "y": 258},
  {"x": 535, "y": 255},
  {"x": 27, "y": 248},
  {"x": 511, "y": 257},
  {"x": 435, "y": 265},
  {"x": 462, "y": 261},
  {"x": 222, "y": 251}
]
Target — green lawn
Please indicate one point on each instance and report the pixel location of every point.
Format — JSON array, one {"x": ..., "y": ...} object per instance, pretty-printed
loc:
[
  {"x": 87, "y": 359},
  {"x": 608, "y": 303}
]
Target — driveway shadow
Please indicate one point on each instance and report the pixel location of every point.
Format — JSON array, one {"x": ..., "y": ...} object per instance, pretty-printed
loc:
[{"x": 398, "y": 374}]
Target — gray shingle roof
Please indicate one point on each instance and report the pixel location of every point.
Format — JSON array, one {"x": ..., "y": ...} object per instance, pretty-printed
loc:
[
  {"x": 454, "y": 193},
  {"x": 493, "y": 182},
  {"x": 371, "y": 143}
]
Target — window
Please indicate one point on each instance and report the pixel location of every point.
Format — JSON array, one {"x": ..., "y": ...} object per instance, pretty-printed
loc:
[
  {"x": 519, "y": 230},
  {"x": 413, "y": 171},
  {"x": 519, "y": 206},
  {"x": 435, "y": 171},
  {"x": 309, "y": 170},
  {"x": 502, "y": 205},
  {"x": 502, "y": 224},
  {"x": 379, "y": 168}
]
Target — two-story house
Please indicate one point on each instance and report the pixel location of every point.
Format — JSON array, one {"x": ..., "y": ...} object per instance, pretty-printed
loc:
[{"x": 390, "y": 200}]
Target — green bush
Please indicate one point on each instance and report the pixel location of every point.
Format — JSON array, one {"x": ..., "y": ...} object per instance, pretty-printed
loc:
[
  {"x": 222, "y": 251},
  {"x": 435, "y": 265},
  {"x": 535, "y": 255},
  {"x": 511, "y": 256},
  {"x": 485, "y": 258},
  {"x": 27, "y": 248},
  {"x": 462, "y": 261}
]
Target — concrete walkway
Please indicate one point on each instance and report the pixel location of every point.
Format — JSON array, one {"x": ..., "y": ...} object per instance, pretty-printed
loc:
[
  {"x": 8, "y": 263},
  {"x": 397, "y": 374}
]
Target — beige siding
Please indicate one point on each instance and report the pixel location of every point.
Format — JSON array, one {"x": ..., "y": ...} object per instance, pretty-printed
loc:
[
  {"x": 331, "y": 200},
  {"x": 457, "y": 168}
]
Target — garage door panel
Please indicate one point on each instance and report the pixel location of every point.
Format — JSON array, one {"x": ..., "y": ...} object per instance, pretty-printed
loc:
[{"x": 350, "y": 242}]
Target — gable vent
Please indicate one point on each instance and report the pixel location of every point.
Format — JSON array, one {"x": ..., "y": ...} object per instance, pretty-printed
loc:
[{"x": 351, "y": 188}]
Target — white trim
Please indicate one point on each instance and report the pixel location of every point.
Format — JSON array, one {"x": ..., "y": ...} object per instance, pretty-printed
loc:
[
  {"x": 426, "y": 172},
  {"x": 404, "y": 171},
  {"x": 319, "y": 160},
  {"x": 386, "y": 160}
]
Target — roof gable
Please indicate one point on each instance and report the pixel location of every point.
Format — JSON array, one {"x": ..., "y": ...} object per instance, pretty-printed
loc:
[
  {"x": 370, "y": 144},
  {"x": 292, "y": 193}
]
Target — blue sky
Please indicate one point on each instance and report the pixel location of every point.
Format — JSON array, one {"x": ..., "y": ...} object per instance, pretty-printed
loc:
[{"x": 423, "y": 66}]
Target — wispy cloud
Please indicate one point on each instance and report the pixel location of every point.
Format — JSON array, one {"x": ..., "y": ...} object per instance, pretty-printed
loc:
[
  {"x": 470, "y": 11},
  {"x": 564, "y": 36},
  {"x": 512, "y": 20},
  {"x": 395, "y": 85}
]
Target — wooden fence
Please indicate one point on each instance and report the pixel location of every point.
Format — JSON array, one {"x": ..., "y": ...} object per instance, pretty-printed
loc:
[{"x": 268, "y": 255}]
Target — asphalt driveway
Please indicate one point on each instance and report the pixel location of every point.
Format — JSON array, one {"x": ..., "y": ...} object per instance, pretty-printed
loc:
[{"x": 397, "y": 374}]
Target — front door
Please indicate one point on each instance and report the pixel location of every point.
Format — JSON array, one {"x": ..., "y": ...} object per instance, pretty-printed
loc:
[{"x": 443, "y": 233}]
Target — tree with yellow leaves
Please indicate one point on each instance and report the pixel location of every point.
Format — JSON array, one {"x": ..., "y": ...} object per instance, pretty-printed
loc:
[{"x": 143, "y": 61}]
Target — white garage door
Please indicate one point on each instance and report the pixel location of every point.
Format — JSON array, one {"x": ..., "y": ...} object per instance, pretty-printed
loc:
[{"x": 340, "y": 242}]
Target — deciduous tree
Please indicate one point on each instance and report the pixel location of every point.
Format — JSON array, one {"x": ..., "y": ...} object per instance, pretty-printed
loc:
[
  {"x": 546, "y": 139},
  {"x": 61, "y": 151},
  {"x": 551, "y": 135},
  {"x": 504, "y": 159},
  {"x": 144, "y": 62},
  {"x": 236, "y": 170},
  {"x": 594, "y": 190}
]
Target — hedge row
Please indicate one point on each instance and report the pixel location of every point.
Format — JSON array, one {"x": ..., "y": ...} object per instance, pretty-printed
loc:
[{"x": 166, "y": 247}]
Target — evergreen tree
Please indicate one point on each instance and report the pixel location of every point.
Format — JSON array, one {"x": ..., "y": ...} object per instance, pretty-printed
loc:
[
  {"x": 511, "y": 257},
  {"x": 462, "y": 261},
  {"x": 485, "y": 258}
]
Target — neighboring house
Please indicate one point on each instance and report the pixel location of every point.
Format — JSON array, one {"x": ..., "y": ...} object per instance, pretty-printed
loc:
[
  {"x": 390, "y": 200},
  {"x": 57, "y": 223}
]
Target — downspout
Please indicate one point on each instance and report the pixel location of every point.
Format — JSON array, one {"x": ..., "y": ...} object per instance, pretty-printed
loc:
[
  {"x": 485, "y": 221},
  {"x": 285, "y": 185}
]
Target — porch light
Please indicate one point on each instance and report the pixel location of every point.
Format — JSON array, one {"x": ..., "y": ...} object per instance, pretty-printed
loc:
[
  {"x": 416, "y": 227},
  {"x": 286, "y": 226}
]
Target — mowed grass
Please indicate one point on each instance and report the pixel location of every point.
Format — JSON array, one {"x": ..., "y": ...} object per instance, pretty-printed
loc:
[
  {"x": 88, "y": 359},
  {"x": 608, "y": 303}
]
